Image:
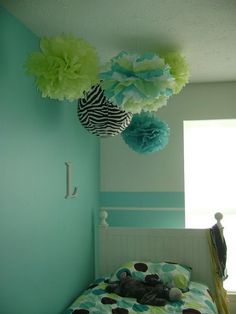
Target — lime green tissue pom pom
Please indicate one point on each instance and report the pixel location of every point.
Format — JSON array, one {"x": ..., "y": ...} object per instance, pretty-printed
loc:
[
  {"x": 179, "y": 68},
  {"x": 65, "y": 67}
]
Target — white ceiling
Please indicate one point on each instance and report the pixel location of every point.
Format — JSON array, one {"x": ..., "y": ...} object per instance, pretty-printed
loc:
[{"x": 203, "y": 30}]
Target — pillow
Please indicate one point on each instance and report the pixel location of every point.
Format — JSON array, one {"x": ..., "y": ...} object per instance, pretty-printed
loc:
[{"x": 173, "y": 274}]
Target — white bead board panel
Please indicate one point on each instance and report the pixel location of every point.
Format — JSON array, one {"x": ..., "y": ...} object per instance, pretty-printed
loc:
[{"x": 118, "y": 245}]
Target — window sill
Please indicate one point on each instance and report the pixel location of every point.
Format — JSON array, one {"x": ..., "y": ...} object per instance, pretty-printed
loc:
[
  {"x": 231, "y": 296},
  {"x": 232, "y": 302}
]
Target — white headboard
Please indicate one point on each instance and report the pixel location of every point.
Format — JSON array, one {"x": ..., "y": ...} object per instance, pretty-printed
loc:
[{"x": 118, "y": 245}]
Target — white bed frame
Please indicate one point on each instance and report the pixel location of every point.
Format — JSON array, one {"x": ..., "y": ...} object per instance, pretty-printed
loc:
[{"x": 118, "y": 245}]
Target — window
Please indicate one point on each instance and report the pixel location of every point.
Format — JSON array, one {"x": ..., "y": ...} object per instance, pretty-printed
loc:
[{"x": 210, "y": 180}]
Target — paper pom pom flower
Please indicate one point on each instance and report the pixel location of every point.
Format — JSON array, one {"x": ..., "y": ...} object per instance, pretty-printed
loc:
[
  {"x": 178, "y": 68},
  {"x": 146, "y": 133},
  {"x": 137, "y": 82},
  {"x": 99, "y": 116},
  {"x": 65, "y": 67}
]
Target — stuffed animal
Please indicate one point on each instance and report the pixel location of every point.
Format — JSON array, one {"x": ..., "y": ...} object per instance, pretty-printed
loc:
[{"x": 151, "y": 292}]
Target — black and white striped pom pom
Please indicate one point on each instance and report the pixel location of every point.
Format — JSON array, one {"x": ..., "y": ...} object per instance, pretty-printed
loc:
[{"x": 100, "y": 116}]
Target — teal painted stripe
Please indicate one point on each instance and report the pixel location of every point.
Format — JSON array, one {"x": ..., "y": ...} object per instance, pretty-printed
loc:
[
  {"x": 143, "y": 199},
  {"x": 146, "y": 219}
]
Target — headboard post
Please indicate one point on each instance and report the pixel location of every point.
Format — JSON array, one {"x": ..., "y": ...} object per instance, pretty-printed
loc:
[
  {"x": 219, "y": 217},
  {"x": 103, "y": 218}
]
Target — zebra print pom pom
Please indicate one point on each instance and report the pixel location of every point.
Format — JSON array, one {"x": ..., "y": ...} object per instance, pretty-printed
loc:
[{"x": 99, "y": 116}]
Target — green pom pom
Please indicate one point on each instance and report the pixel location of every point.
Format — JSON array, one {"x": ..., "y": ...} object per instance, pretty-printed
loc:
[
  {"x": 178, "y": 68},
  {"x": 65, "y": 67}
]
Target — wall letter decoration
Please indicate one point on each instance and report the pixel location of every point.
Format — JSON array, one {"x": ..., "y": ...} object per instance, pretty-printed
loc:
[{"x": 69, "y": 192}]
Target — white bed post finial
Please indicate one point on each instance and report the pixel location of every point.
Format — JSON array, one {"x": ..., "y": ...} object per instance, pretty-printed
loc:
[
  {"x": 103, "y": 217},
  {"x": 219, "y": 217}
]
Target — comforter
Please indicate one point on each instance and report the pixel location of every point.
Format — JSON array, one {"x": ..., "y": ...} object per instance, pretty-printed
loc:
[{"x": 95, "y": 300}]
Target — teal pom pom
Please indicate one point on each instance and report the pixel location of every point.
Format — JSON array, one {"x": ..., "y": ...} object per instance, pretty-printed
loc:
[
  {"x": 137, "y": 82},
  {"x": 146, "y": 133},
  {"x": 65, "y": 67}
]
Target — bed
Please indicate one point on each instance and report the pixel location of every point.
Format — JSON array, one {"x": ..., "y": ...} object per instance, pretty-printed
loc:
[{"x": 180, "y": 257}]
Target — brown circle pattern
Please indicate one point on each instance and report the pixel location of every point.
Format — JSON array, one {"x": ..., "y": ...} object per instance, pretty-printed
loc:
[
  {"x": 120, "y": 310},
  {"x": 107, "y": 300},
  {"x": 191, "y": 311},
  {"x": 141, "y": 267}
]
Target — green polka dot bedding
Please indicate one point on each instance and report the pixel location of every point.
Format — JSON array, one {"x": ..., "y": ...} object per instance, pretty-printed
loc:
[{"x": 196, "y": 297}]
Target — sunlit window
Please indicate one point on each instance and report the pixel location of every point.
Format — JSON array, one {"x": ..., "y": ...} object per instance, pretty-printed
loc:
[{"x": 210, "y": 180}]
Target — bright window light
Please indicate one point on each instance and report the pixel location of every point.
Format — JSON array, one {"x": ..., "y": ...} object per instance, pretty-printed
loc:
[{"x": 210, "y": 181}]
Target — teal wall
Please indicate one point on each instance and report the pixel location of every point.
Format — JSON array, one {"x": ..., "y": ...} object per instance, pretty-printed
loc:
[{"x": 46, "y": 241}]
